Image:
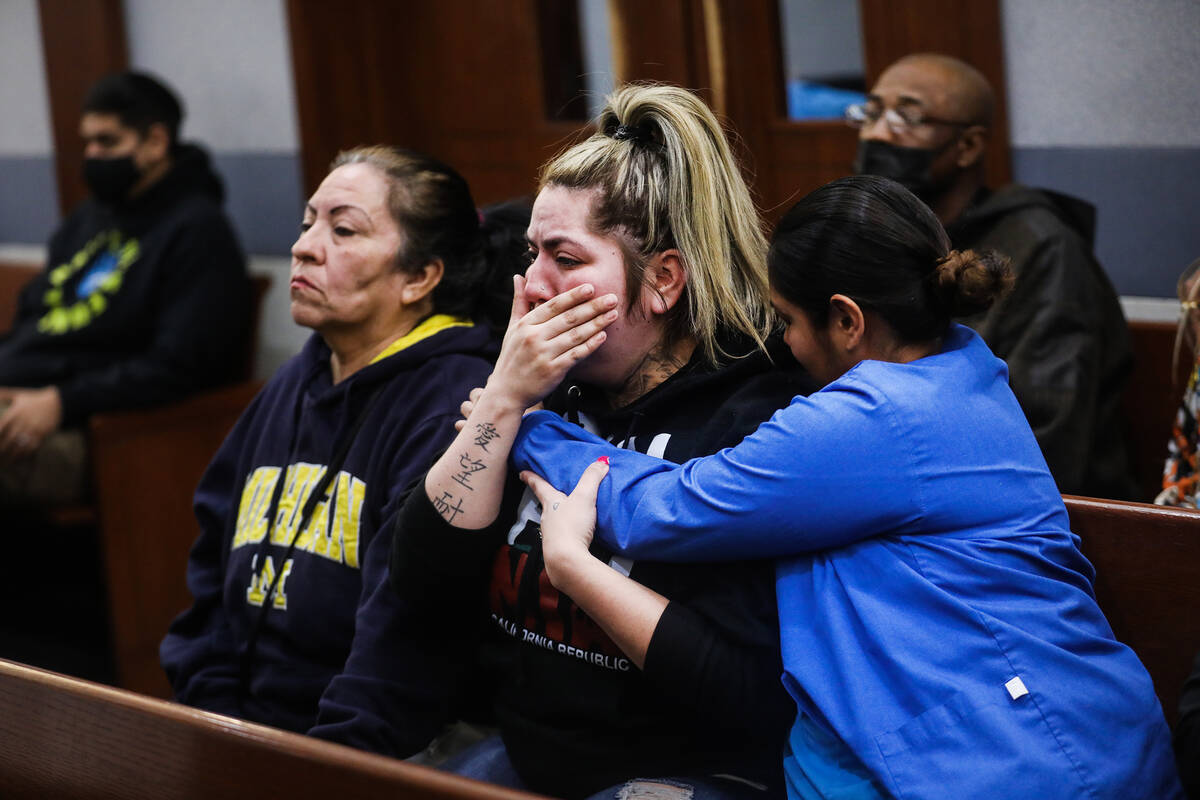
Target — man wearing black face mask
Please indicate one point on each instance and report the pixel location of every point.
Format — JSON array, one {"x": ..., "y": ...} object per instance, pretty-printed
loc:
[
  {"x": 926, "y": 124},
  {"x": 144, "y": 298}
]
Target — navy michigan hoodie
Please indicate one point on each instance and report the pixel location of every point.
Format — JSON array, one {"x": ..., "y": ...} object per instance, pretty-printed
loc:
[{"x": 329, "y": 653}]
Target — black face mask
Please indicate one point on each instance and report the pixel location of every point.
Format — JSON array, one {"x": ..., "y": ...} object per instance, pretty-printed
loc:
[
  {"x": 110, "y": 179},
  {"x": 907, "y": 166}
]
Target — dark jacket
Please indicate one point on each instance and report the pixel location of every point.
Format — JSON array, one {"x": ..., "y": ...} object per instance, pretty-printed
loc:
[
  {"x": 334, "y": 634},
  {"x": 574, "y": 713},
  {"x": 140, "y": 303},
  {"x": 1061, "y": 331},
  {"x": 1187, "y": 732}
]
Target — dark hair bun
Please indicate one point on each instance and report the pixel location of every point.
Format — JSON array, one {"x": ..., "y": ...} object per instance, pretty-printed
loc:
[{"x": 968, "y": 282}]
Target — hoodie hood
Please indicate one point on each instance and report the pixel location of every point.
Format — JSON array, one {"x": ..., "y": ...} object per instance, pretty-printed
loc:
[
  {"x": 444, "y": 336},
  {"x": 989, "y": 206},
  {"x": 191, "y": 176},
  {"x": 696, "y": 385}
]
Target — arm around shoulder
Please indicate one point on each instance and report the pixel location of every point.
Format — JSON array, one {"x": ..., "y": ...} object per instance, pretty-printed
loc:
[{"x": 794, "y": 486}]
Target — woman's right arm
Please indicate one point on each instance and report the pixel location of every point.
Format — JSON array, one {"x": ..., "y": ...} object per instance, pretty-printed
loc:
[
  {"x": 824, "y": 472},
  {"x": 466, "y": 485}
]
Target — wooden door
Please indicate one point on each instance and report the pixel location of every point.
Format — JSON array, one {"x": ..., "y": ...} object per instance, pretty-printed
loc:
[{"x": 459, "y": 80}]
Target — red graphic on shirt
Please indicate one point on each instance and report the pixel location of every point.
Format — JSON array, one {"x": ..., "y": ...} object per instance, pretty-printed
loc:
[{"x": 521, "y": 594}]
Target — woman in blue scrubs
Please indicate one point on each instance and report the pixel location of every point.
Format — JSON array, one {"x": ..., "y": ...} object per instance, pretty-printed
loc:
[{"x": 941, "y": 638}]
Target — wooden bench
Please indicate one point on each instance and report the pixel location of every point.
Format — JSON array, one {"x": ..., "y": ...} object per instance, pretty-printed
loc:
[
  {"x": 65, "y": 738},
  {"x": 1150, "y": 400},
  {"x": 145, "y": 465},
  {"x": 1147, "y": 561}
]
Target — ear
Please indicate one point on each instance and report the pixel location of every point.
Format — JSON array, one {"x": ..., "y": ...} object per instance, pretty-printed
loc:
[
  {"x": 847, "y": 323},
  {"x": 972, "y": 144},
  {"x": 156, "y": 143},
  {"x": 420, "y": 284},
  {"x": 666, "y": 278}
]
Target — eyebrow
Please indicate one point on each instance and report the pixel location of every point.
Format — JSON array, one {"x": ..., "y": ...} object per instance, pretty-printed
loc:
[
  {"x": 902, "y": 100},
  {"x": 309, "y": 209},
  {"x": 557, "y": 241}
]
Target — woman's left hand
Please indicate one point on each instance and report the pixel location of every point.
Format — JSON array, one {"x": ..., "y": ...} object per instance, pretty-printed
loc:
[{"x": 568, "y": 521}]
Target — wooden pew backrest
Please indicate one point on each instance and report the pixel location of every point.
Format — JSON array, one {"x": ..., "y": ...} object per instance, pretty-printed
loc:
[
  {"x": 13, "y": 277},
  {"x": 1150, "y": 400},
  {"x": 65, "y": 738},
  {"x": 1147, "y": 561},
  {"x": 145, "y": 467}
]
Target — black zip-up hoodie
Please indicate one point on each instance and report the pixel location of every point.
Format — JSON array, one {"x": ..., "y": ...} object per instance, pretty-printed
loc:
[
  {"x": 575, "y": 714},
  {"x": 140, "y": 303},
  {"x": 1061, "y": 331}
]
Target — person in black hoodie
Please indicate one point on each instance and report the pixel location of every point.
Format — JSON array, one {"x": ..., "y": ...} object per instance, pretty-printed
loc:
[
  {"x": 293, "y": 624},
  {"x": 144, "y": 298},
  {"x": 1061, "y": 330},
  {"x": 648, "y": 271}
]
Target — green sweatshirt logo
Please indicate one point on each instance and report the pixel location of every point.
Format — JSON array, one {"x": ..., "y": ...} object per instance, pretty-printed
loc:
[{"x": 106, "y": 257}]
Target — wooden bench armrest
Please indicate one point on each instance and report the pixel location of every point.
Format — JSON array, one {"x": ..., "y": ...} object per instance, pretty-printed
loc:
[
  {"x": 67, "y": 738},
  {"x": 1147, "y": 561},
  {"x": 146, "y": 465},
  {"x": 110, "y": 427}
]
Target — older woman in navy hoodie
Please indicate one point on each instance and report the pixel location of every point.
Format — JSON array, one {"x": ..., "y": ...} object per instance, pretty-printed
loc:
[{"x": 293, "y": 624}]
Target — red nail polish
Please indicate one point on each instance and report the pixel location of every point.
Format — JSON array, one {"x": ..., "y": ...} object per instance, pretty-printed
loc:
[{"x": 603, "y": 459}]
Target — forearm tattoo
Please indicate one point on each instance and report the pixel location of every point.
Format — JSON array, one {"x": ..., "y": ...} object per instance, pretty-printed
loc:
[
  {"x": 467, "y": 467},
  {"x": 485, "y": 432},
  {"x": 449, "y": 505}
]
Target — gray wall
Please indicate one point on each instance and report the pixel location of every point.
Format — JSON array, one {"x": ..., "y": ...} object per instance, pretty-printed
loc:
[
  {"x": 230, "y": 63},
  {"x": 821, "y": 38},
  {"x": 1103, "y": 105},
  {"x": 28, "y": 196}
]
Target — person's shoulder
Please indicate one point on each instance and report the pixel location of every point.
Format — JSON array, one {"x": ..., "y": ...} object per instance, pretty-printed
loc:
[
  {"x": 744, "y": 393},
  {"x": 964, "y": 367},
  {"x": 1018, "y": 219},
  {"x": 85, "y": 220},
  {"x": 299, "y": 368},
  {"x": 453, "y": 374},
  {"x": 196, "y": 212},
  {"x": 433, "y": 377},
  {"x": 450, "y": 351},
  {"x": 771, "y": 377}
]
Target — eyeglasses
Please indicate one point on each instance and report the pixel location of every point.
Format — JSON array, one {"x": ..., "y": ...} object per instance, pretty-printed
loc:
[{"x": 898, "y": 120}]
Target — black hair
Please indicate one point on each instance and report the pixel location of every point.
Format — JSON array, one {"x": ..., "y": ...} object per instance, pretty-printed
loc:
[
  {"x": 431, "y": 203},
  {"x": 872, "y": 240},
  {"x": 139, "y": 101}
]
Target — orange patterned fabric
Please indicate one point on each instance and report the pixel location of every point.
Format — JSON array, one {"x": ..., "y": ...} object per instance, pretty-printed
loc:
[{"x": 1180, "y": 474}]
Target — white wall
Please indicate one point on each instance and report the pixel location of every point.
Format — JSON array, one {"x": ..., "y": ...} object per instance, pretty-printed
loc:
[
  {"x": 229, "y": 60},
  {"x": 596, "y": 40},
  {"x": 821, "y": 38},
  {"x": 25, "y": 123},
  {"x": 1103, "y": 105},
  {"x": 1103, "y": 73}
]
